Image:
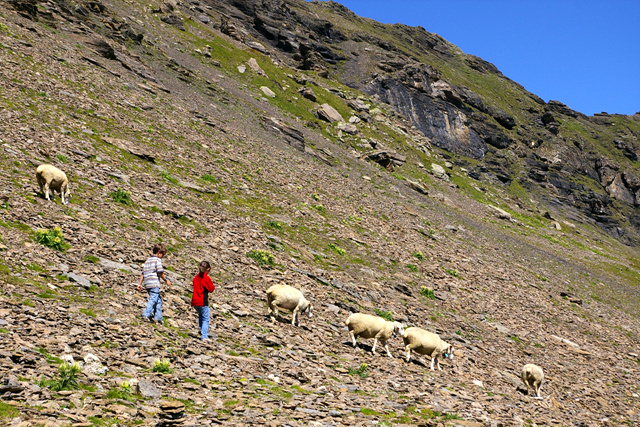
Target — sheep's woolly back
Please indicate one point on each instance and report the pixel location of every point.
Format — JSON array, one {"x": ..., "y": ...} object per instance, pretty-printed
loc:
[
  {"x": 532, "y": 373},
  {"x": 50, "y": 178},
  {"x": 368, "y": 326},
  {"x": 287, "y": 297}
]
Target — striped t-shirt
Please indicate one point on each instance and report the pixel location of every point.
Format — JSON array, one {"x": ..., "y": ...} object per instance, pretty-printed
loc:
[{"x": 150, "y": 271}]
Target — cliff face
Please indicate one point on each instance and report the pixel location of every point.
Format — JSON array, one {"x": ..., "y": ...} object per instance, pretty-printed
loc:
[{"x": 465, "y": 106}]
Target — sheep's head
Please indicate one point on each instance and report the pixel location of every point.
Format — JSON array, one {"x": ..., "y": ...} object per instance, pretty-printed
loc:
[
  {"x": 448, "y": 352},
  {"x": 398, "y": 329},
  {"x": 308, "y": 309}
]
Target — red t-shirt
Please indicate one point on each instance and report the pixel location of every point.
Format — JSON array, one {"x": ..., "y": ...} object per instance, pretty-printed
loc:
[{"x": 202, "y": 285}]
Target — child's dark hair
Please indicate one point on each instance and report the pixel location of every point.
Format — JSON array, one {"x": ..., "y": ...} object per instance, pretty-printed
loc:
[
  {"x": 204, "y": 266},
  {"x": 159, "y": 248}
]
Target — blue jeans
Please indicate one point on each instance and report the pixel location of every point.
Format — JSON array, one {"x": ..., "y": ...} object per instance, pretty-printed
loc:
[
  {"x": 154, "y": 305},
  {"x": 203, "y": 321}
]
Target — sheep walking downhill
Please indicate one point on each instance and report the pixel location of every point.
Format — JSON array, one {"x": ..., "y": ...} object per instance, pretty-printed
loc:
[
  {"x": 51, "y": 179},
  {"x": 368, "y": 326}
]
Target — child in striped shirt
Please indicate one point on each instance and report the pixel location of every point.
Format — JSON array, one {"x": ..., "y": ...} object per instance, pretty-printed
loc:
[{"x": 152, "y": 273}]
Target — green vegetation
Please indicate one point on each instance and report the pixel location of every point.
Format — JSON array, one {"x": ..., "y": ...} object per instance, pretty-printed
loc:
[
  {"x": 67, "y": 378},
  {"x": 52, "y": 238},
  {"x": 92, "y": 259},
  {"x": 121, "y": 196},
  {"x": 453, "y": 272},
  {"x": 412, "y": 267},
  {"x": 162, "y": 366},
  {"x": 124, "y": 392},
  {"x": 427, "y": 292},
  {"x": 418, "y": 255},
  {"x": 384, "y": 314},
  {"x": 361, "y": 371},
  {"x": 262, "y": 257},
  {"x": 7, "y": 411},
  {"x": 337, "y": 249}
]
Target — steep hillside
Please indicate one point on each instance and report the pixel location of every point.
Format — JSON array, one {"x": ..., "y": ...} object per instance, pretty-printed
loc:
[{"x": 215, "y": 128}]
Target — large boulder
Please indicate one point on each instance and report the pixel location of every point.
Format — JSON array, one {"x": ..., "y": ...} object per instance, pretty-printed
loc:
[{"x": 329, "y": 114}]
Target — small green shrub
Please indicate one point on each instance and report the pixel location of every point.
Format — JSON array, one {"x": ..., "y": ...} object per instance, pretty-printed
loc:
[
  {"x": 337, "y": 249},
  {"x": 92, "y": 259},
  {"x": 7, "y": 411},
  {"x": 384, "y": 314},
  {"x": 453, "y": 272},
  {"x": 168, "y": 177},
  {"x": 52, "y": 238},
  {"x": 412, "y": 267},
  {"x": 209, "y": 178},
  {"x": 67, "y": 378},
  {"x": 427, "y": 292},
  {"x": 162, "y": 365},
  {"x": 274, "y": 224},
  {"x": 319, "y": 208},
  {"x": 123, "y": 392},
  {"x": 361, "y": 371},
  {"x": 62, "y": 158},
  {"x": 121, "y": 196},
  {"x": 263, "y": 258},
  {"x": 87, "y": 312},
  {"x": 419, "y": 255}
]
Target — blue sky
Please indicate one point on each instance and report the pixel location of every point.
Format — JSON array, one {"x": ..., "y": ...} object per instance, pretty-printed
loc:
[{"x": 584, "y": 53}]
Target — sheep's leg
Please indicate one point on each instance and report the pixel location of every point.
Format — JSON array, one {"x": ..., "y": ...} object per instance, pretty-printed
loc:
[
  {"x": 386, "y": 346},
  {"x": 537, "y": 385},
  {"x": 295, "y": 320},
  {"x": 46, "y": 191},
  {"x": 375, "y": 342},
  {"x": 64, "y": 194},
  {"x": 273, "y": 310},
  {"x": 432, "y": 362},
  {"x": 353, "y": 339},
  {"x": 408, "y": 348},
  {"x": 438, "y": 363}
]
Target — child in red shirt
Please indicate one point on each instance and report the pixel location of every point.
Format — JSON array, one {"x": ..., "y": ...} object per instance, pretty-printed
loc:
[{"x": 202, "y": 285}]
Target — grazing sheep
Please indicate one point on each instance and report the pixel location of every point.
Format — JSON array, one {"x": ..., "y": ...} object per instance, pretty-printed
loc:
[
  {"x": 532, "y": 377},
  {"x": 51, "y": 179},
  {"x": 368, "y": 326},
  {"x": 424, "y": 342},
  {"x": 287, "y": 297}
]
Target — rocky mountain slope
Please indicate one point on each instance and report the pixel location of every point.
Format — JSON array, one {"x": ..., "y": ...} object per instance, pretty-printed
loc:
[{"x": 237, "y": 131}]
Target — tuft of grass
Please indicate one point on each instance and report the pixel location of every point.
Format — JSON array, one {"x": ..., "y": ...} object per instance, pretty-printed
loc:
[
  {"x": 412, "y": 267},
  {"x": 427, "y": 292},
  {"x": 361, "y": 371},
  {"x": 337, "y": 249},
  {"x": 92, "y": 259},
  {"x": 123, "y": 392},
  {"x": 274, "y": 224},
  {"x": 384, "y": 314},
  {"x": 6, "y": 410},
  {"x": 168, "y": 177},
  {"x": 262, "y": 257},
  {"x": 209, "y": 178},
  {"x": 453, "y": 272},
  {"x": 418, "y": 255},
  {"x": 87, "y": 312},
  {"x": 52, "y": 238},
  {"x": 162, "y": 366},
  {"x": 121, "y": 196},
  {"x": 67, "y": 378}
]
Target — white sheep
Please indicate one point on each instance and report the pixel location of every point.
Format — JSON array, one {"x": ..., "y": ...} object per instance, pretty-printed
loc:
[
  {"x": 368, "y": 326},
  {"x": 425, "y": 342},
  {"x": 532, "y": 377},
  {"x": 287, "y": 297},
  {"x": 51, "y": 179}
]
